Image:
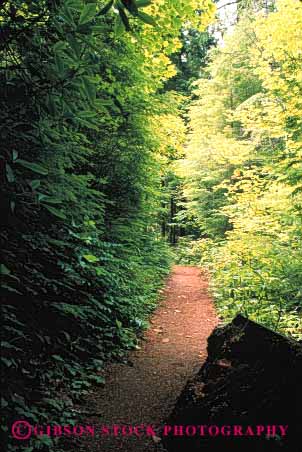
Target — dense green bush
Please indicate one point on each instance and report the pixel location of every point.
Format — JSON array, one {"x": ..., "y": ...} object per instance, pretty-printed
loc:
[
  {"x": 82, "y": 106},
  {"x": 82, "y": 259}
]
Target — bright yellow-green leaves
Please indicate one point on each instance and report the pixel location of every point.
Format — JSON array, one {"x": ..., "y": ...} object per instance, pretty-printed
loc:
[
  {"x": 161, "y": 40},
  {"x": 243, "y": 168}
]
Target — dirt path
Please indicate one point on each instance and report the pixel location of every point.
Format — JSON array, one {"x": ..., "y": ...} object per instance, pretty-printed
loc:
[{"x": 173, "y": 349}]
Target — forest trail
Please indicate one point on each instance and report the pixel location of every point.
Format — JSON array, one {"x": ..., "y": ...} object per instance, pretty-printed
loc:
[{"x": 173, "y": 348}]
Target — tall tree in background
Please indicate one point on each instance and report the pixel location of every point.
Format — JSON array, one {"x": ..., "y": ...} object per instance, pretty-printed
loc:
[{"x": 190, "y": 62}]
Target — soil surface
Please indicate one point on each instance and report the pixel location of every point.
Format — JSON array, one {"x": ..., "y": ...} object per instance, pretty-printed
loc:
[{"x": 171, "y": 351}]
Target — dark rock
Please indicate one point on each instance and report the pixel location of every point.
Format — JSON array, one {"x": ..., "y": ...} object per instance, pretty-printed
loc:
[{"x": 252, "y": 377}]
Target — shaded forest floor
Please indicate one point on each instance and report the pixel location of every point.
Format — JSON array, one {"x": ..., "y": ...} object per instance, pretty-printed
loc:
[{"x": 172, "y": 349}]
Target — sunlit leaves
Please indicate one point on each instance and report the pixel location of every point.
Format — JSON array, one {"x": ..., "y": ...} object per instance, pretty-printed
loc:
[{"x": 242, "y": 170}]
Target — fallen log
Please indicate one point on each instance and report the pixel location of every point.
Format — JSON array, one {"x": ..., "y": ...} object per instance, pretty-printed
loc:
[{"x": 251, "y": 380}]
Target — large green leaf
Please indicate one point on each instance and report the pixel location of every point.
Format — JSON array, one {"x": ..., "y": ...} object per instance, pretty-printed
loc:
[
  {"x": 131, "y": 6},
  {"x": 89, "y": 88},
  {"x": 9, "y": 173},
  {"x": 35, "y": 167},
  {"x": 88, "y": 123},
  {"x": 119, "y": 27},
  {"x": 59, "y": 46},
  {"x": 142, "y": 3},
  {"x": 67, "y": 16},
  {"x": 75, "y": 45},
  {"x": 52, "y": 200},
  {"x": 107, "y": 7},
  {"x": 146, "y": 18},
  {"x": 90, "y": 258},
  {"x": 124, "y": 18},
  {"x": 4, "y": 270},
  {"x": 35, "y": 184},
  {"x": 55, "y": 212},
  {"x": 88, "y": 13}
]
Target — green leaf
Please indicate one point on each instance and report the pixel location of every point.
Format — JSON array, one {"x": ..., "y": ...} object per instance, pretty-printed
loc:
[
  {"x": 7, "y": 362},
  {"x": 59, "y": 46},
  {"x": 67, "y": 16},
  {"x": 124, "y": 18},
  {"x": 131, "y": 6},
  {"x": 4, "y": 270},
  {"x": 12, "y": 206},
  {"x": 35, "y": 183},
  {"x": 88, "y": 13},
  {"x": 87, "y": 114},
  {"x": 88, "y": 124},
  {"x": 143, "y": 3},
  {"x": 60, "y": 66},
  {"x": 119, "y": 27},
  {"x": 76, "y": 4},
  {"x": 41, "y": 196},
  {"x": 75, "y": 46},
  {"x": 6, "y": 344},
  {"x": 106, "y": 8},
  {"x": 58, "y": 26},
  {"x": 52, "y": 200},
  {"x": 10, "y": 289},
  {"x": 4, "y": 403},
  {"x": 91, "y": 258},
  {"x": 97, "y": 379},
  {"x": 46, "y": 440},
  {"x": 51, "y": 104},
  {"x": 55, "y": 212},
  {"x": 101, "y": 271},
  {"x": 9, "y": 173},
  {"x": 35, "y": 167},
  {"x": 58, "y": 358},
  {"x": 15, "y": 155},
  {"x": 146, "y": 18},
  {"x": 89, "y": 88}
]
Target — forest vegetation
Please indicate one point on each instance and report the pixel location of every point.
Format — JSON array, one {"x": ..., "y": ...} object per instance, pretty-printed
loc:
[
  {"x": 126, "y": 128},
  {"x": 242, "y": 169}
]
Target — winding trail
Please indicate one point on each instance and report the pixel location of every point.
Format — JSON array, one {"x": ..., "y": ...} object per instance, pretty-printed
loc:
[{"x": 173, "y": 348}]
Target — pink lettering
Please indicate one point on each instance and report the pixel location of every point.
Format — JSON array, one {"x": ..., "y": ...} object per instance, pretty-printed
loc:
[
  {"x": 190, "y": 430},
  {"x": 225, "y": 430},
  {"x": 57, "y": 430},
  {"x": 166, "y": 430},
  {"x": 238, "y": 430},
  {"x": 249, "y": 431},
  {"x": 201, "y": 430},
  {"x": 137, "y": 430},
  {"x": 271, "y": 430},
  {"x": 105, "y": 430},
  {"x": 283, "y": 429},
  {"x": 178, "y": 430},
  {"x": 150, "y": 431},
  {"x": 213, "y": 430},
  {"x": 67, "y": 430},
  {"x": 78, "y": 430},
  {"x": 116, "y": 430},
  {"x": 90, "y": 430}
]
